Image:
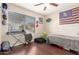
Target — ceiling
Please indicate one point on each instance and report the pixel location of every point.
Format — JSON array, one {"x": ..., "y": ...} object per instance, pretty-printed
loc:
[{"x": 50, "y": 8}]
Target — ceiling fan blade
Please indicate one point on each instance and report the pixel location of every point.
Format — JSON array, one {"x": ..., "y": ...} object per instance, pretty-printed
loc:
[
  {"x": 45, "y": 8},
  {"x": 54, "y": 4},
  {"x": 38, "y": 4}
]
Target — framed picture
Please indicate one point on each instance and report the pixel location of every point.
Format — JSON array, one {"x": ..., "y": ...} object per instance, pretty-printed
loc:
[{"x": 40, "y": 20}]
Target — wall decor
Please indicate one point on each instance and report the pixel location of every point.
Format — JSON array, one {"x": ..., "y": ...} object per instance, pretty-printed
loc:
[
  {"x": 4, "y": 13},
  {"x": 37, "y": 23},
  {"x": 69, "y": 17},
  {"x": 48, "y": 20},
  {"x": 4, "y": 17},
  {"x": 4, "y": 22},
  {"x": 40, "y": 20},
  {"x": 4, "y": 5}
]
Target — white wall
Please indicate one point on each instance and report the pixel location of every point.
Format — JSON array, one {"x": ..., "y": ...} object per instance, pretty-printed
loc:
[
  {"x": 18, "y": 9},
  {"x": 55, "y": 28}
]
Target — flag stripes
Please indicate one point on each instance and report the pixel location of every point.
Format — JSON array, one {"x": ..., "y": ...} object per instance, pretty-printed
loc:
[{"x": 69, "y": 16}]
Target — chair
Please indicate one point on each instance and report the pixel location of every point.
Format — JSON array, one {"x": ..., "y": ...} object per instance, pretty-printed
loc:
[{"x": 28, "y": 38}]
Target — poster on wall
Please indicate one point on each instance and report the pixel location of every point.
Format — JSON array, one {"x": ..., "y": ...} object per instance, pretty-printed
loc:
[{"x": 69, "y": 17}]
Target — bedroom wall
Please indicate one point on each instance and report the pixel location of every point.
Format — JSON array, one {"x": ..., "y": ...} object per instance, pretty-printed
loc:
[
  {"x": 67, "y": 29},
  {"x": 18, "y": 9}
]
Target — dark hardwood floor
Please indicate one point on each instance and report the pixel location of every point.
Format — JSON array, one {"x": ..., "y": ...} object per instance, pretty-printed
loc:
[{"x": 37, "y": 49}]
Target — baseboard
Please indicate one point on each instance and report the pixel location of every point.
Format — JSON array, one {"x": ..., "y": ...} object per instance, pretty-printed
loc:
[
  {"x": 76, "y": 52},
  {"x": 57, "y": 46}
]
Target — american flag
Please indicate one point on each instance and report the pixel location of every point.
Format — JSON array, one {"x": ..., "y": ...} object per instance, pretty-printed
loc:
[{"x": 70, "y": 16}]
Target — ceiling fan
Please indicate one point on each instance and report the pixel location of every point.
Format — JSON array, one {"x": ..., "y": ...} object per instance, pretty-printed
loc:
[{"x": 53, "y": 4}]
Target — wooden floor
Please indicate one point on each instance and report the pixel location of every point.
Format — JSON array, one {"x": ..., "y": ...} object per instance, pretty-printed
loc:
[{"x": 38, "y": 49}]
